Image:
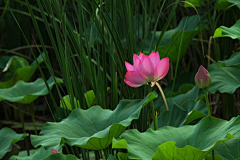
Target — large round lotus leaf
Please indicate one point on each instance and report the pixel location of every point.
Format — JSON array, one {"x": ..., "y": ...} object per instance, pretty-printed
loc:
[
  {"x": 234, "y": 60},
  {"x": 229, "y": 150},
  {"x": 7, "y": 138},
  {"x": 186, "y": 142},
  {"x": 226, "y": 4},
  {"x": 224, "y": 79},
  {"x": 180, "y": 115},
  {"x": 232, "y": 32},
  {"x": 171, "y": 40},
  {"x": 27, "y": 92},
  {"x": 42, "y": 154},
  {"x": 93, "y": 128},
  {"x": 17, "y": 69},
  {"x": 193, "y": 94}
]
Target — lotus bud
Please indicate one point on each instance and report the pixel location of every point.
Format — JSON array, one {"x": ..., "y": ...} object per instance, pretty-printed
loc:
[
  {"x": 54, "y": 150},
  {"x": 202, "y": 78}
]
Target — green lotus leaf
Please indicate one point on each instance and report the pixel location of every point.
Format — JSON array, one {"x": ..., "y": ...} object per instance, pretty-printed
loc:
[
  {"x": 89, "y": 96},
  {"x": 186, "y": 142},
  {"x": 193, "y": 94},
  {"x": 195, "y": 3},
  {"x": 60, "y": 156},
  {"x": 184, "y": 88},
  {"x": 234, "y": 60},
  {"x": 232, "y": 32},
  {"x": 27, "y": 92},
  {"x": 66, "y": 103},
  {"x": 7, "y": 138},
  {"x": 229, "y": 150},
  {"x": 42, "y": 154},
  {"x": 194, "y": 24},
  {"x": 225, "y": 4},
  {"x": 224, "y": 79},
  {"x": 110, "y": 157},
  {"x": 195, "y": 110},
  {"x": 17, "y": 68},
  {"x": 93, "y": 128},
  {"x": 181, "y": 115}
]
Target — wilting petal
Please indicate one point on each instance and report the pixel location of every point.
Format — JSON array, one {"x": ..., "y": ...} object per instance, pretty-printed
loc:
[
  {"x": 134, "y": 78},
  {"x": 129, "y": 67},
  {"x": 154, "y": 57},
  {"x": 147, "y": 69},
  {"x": 162, "y": 69}
]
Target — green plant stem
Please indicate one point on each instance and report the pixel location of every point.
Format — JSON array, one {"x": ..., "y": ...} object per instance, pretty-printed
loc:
[
  {"x": 164, "y": 98},
  {"x": 23, "y": 127},
  {"x": 213, "y": 156},
  {"x": 154, "y": 116},
  {"x": 105, "y": 153},
  {"x": 207, "y": 102},
  {"x": 33, "y": 119}
]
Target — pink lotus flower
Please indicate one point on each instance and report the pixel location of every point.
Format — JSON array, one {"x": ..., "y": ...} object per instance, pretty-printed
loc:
[
  {"x": 54, "y": 150},
  {"x": 202, "y": 78},
  {"x": 146, "y": 69}
]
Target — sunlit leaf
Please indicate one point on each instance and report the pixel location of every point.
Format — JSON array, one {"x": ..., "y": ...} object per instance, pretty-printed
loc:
[{"x": 232, "y": 32}]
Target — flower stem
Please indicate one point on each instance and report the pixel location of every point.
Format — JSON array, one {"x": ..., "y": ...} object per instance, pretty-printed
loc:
[
  {"x": 164, "y": 98},
  {"x": 154, "y": 116},
  {"x": 213, "y": 156},
  {"x": 207, "y": 102}
]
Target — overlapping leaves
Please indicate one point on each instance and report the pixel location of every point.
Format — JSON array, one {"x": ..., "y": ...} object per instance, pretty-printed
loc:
[
  {"x": 93, "y": 128},
  {"x": 7, "y": 138},
  {"x": 17, "y": 68},
  {"x": 187, "y": 142},
  {"x": 27, "y": 92}
]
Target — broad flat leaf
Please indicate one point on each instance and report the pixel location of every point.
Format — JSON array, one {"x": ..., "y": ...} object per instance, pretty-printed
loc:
[
  {"x": 27, "y": 92},
  {"x": 193, "y": 94},
  {"x": 111, "y": 157},
  {"x": 195, "y": 3},
  {"x": 7, "y": 138},
  {"x": 18, "y": 69},
  {"x": 184, "y": 88},
  {"x": 185, "y": 78},
  {"x": 234, "y": 60},
  {"x": 186, "y": 142},
  {"x": 179, "y": 116},
  {"x": 195, "y": 110},
  {"x": 60, "y": 156},
  {"x": 224, "y": 4},
  {"x": 93, "y": 128},
  {"x": 232, "y": 32},
  {"x": 229, "y": 150},
  {"x": 224, "y": 79},
  {"x": 42, "y": 154},
  {"x": 193, "y": 27}
]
